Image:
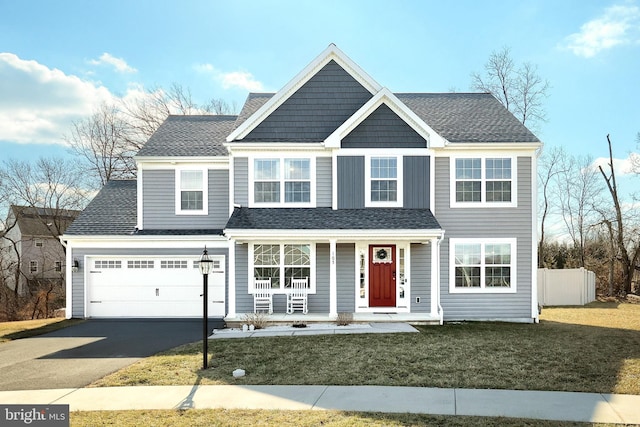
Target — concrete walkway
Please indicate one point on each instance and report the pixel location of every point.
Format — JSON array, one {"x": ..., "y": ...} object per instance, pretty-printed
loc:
[
  {"x": 315, "y": 329},
  {"x": 562, "y": 406}
]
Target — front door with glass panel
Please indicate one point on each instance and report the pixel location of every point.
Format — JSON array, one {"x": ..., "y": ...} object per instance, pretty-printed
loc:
[{"x": 382, "y": 276}]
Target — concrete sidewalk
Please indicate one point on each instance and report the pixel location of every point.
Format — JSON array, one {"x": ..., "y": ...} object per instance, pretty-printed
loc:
[{"x": 561, "y": 406}]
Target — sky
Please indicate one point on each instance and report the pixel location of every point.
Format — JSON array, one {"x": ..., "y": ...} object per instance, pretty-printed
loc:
[{"x": 59, "y": 60}]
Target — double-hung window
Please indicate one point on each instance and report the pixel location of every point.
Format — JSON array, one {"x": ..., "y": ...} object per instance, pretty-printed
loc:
[
  {"x": 482, "y": 265},
  {"x": 191, "y": 192},
  {"x": 483, "y": 182},
  {"x": 383, "y": 186},
  {"x": 283, "y": 262},
  {"x": 282, "y": 181}
]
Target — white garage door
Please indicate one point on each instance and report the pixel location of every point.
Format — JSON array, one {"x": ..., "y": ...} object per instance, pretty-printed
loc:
[{"x": 152, "y": 287}]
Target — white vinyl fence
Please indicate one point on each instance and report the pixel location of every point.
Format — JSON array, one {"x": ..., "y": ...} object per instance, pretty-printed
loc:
[{"x": 575, "y": 286}]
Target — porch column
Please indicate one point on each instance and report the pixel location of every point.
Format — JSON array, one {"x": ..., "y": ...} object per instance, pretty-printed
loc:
[
  {"x": 435, "y": 275},
  {"x": 333, "y": 280},
  {"x": 231, "y": 277}
]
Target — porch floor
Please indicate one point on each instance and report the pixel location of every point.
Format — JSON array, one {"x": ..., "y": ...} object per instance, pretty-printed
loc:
[{"x": 284, "y": 318}]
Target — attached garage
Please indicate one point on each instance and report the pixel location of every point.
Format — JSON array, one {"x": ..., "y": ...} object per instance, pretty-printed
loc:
[{"x": 151, "y": 286}]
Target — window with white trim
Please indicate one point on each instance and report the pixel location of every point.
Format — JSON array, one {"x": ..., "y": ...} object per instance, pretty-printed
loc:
[
  {"x": 283, "y": 262},
  {"x": 191, "y": 191},
  {"x": 383, "y": 184},
  {"x": 483, "y": 181},
  {"x": 482, "y": 265},
  {"x": 284, "y": 181}
]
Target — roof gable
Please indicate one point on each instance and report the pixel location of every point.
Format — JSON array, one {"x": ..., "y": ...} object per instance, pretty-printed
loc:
[{"x": 323, "y": 71}]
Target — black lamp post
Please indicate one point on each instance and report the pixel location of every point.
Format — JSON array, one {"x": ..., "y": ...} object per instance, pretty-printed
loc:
[{"x": 205, "y": 268}]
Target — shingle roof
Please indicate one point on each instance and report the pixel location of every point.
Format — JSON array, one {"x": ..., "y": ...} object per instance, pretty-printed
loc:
[
  {"x": 457, "y": 117},
  {"x": 180, "y": 232},
  {"x": 111, "y": 212},
  {"x": 467, "y": 117},
  {"x": 34, "y": 221},
  {"x": 330, "y": 219},
  {"x": 190, "y": 136}
]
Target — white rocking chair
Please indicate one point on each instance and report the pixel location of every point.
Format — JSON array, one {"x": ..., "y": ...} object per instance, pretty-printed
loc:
[
  {"x": 297, "y": 299},
  {"x": 262, "y": 296}
]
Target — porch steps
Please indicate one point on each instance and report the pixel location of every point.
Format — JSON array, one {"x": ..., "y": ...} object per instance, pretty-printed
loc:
[{"x": 289, "y": 319}]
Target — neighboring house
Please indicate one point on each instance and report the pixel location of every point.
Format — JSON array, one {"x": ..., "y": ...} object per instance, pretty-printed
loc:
[
  {"x": 395, "y": 206},
  {"x": 32, "y": 241}
]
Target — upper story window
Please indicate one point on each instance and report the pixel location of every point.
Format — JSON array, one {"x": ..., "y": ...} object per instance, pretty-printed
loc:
[
  {"x": 191, "y": 192},
  {"x": 38, "y": 243},
  {"x": 33, "y": 266},
  {"x": 383, "y": 185},
  {"x": 483, "y": 182},
  {"x": 282, "y": 181}
]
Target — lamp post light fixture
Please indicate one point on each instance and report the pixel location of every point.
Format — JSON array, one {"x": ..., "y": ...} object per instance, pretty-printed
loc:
[{"x": 206, "y": 265}]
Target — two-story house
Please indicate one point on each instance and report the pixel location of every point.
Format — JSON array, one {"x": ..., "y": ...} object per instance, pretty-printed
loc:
[
  {"x": 29, "y": 248},
  {"x": 393, "y": 206}
]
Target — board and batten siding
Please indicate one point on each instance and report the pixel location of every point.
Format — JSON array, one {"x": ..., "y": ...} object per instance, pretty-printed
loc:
[
  {"x": 78, "y": 285},
  {"x": 351, "y": 182},
  {"x": 416, "y": 182},
  {"x": 346, "y": 277},
  {"x": 159, "y": 195},
  {"x": 420, "y": 278},
  {"x": 487, "y": 223}
]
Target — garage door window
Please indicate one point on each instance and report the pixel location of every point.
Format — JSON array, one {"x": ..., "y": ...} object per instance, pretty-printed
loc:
[
  {"x": 174, "y": 264},
  {"x": 214, "y": 264},
  {"x": 140, "y": 264},
  {"x": 107, "y": 264}
]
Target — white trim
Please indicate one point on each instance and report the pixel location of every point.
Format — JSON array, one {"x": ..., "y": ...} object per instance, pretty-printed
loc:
[
  {"x": 281, "y": 244},
  {"x": 281, "y": 178},
  {"x": 139, "y": 198},
  {"x": 231, "y": 281},
  {"x": 384, "y": 152},
  {"x": 148, "y": 242},
  {"x": 232, "y": 176},
  {"x": 483, "y": 146},
  {"x": 435, "y": 276},
  {"x": 241, "y": 147},
  {"x": 483, "y": 182},
  {"x": 205, "y": 191},
  {"x": 534, "y": 241},
  {"x": 432, "y": 183},
  {"x": 483, "y": 242},
  {"x": 330, "y": 53},
  {"x": 68, "y": 274},
  {"x": 333, "y": 279},
  {"x": 334, "y": 180},
  {"x": 384, "y": 96},
  {"x": 412, "y": 235},
  {"x": 161, "y": 162},
  {"x": 368, "y": 203}
]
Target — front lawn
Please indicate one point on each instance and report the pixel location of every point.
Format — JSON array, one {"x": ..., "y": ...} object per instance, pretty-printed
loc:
[{"x": 592, "y": 349}]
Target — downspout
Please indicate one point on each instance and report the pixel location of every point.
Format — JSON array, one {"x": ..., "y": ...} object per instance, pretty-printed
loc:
[{"x": 440, "y": 310}]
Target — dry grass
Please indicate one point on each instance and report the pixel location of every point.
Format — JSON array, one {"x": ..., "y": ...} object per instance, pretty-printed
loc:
[
  {"x": 29, "y": 328},
  {"x": 221, "y": 417},
  {"x": 570, "y": 350}
]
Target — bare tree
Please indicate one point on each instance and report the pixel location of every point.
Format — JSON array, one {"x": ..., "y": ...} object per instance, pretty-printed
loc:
[
  {"x": 104, "y": 142},
  {"x": 550, "y": 166},
  {"x": 579, "y": 194},
  {"x": 519, "y": 88},
  {"x": 626, "y": 238}
]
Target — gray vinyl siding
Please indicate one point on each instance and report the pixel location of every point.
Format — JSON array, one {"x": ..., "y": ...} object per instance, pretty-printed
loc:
[
  {"x": 159, "y": 209},
  {"x": 420, "y": 278},
  {"x": 315, "y": 110},
  {"x": 416, "y": 182},
  {"x": 323, "y": 182},
  {"x": 383, "y": 129},
  {"x": 351, "y": 182},
  {"x": 244, "y": 300},
  {"x": 319, "y": 302},
  {"x": 241, "y": 181},
  {"x": 346, "y": 277},
  {"x": 490, "y": 223},
  {"x": 77, "y": 284}
]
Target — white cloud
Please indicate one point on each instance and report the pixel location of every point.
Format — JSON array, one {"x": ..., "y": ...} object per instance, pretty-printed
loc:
[
  {"x": 37, "y": 103},
  {"x": 119, "y": 64},
  {"x": 618, "y": 25},
  {"x": 628, "y": 166},
  {"x": 234, "y": 79}
]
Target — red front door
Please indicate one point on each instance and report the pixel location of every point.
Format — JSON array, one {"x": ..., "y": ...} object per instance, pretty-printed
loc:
[{"x": 382, "y": 276}]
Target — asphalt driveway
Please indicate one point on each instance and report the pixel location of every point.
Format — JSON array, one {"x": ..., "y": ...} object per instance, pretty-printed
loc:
[{"x": 78, "y": 355}]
